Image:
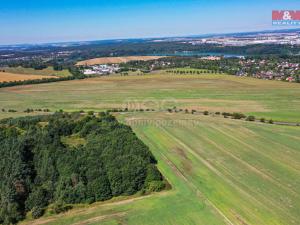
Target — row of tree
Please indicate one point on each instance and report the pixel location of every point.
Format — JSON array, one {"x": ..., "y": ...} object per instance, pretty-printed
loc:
[
  {"x": 187, "y": 71},
  {"x": 234, "y": 115}
]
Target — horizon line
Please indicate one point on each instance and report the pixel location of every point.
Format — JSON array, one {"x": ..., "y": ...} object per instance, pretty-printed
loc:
[{"x": 145, "y": 38}]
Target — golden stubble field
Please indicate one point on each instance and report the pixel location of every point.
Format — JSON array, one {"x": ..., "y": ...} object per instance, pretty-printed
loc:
[
  {"x": 7, "y": 77},
  {"x": 212, "y": 92},
  {"x": 116, "y": 60}
]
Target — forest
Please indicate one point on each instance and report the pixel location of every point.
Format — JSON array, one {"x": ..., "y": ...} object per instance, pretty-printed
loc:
[
  {"x": 54, "y": 161},
  {"x": 43, "y": 56}
]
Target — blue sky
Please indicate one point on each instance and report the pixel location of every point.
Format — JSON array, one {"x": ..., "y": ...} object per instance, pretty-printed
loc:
[{"x": 40, "y": 21}]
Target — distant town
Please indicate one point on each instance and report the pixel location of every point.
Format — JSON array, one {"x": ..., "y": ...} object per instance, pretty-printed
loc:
[
  {"x": 102, "y": 69},
  {"x": 252, "y": 39},
  {"x": 263, "y": 55}
]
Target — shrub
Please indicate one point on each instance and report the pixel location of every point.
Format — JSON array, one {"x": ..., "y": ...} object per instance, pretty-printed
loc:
[
  {"x": 154, "y": 181},
  {"x": 37, "y": 212},
  {"x": 271, "y": 121},
  {"x": 262, "y": 120},
  {"x": 60, "y": 207},
  {"x": 226, "y": 114},
  {"x": 238, "y": 116},
  {"x": 90, "y": 113},
  {"x": 250, "y": 118},
  {"x": 102, "y": 114},
  {"x": 28, "y": 111},
  {"x": 155, "y": 186},
  {"x": 206, "y": 113}
]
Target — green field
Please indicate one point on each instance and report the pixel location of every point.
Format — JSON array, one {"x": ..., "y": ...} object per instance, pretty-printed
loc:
[
  {"x": 270, "y": 99},
  {"x": 30, "y": 71},
  {"x": 221, "y": 171}
]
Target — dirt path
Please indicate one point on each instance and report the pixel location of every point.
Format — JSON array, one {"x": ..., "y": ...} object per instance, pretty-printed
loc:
[
  {"x": 100, "y": 218},
  {"x": 93, "y": 207}
]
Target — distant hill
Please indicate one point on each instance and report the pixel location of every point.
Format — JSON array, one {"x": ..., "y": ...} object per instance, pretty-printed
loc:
[{"x": 139, "y": 40}]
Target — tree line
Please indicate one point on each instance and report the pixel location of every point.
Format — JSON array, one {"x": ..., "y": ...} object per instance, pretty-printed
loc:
[{"x": 233, "y": 115}]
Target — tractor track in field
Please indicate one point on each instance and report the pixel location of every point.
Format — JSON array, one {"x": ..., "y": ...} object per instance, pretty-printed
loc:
[
  {"x": 193, "y": 186},
  {"x": 255, "y": 150},
  {"x": 268, "y": 177},
  {"x": 214, "y": 170},
  {"x": 233, "y": 184}
]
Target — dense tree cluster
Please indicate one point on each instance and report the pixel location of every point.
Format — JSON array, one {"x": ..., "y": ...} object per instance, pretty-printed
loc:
[
  {"x": 36, "y": 64},
  {"x": 57, "y": 56},
  {"x": 42, "y": 163},
  {"x": 228, "y": 65}
]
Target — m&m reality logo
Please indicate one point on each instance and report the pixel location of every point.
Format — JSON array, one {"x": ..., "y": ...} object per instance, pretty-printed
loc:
[{"x": 286, "y": 17}]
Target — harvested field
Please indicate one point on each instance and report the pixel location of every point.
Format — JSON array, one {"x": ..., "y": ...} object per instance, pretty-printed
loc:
[
  {"x": 214, "y": 92},
  {"x": 7, "y": 77},
  {"x": 49, "y": 71},
  {"x": 116, "y": 60}
]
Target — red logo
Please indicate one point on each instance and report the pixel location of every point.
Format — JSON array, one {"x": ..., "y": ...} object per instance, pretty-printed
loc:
[{"x": 286, "y": 15}]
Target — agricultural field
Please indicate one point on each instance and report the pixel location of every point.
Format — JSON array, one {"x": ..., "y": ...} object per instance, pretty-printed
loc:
[
  {"x": 116, "y": 60},
  {"x": 7, "y": 77},
  {"x": 275, "y": 100},
  {"x": 221, "y": 171},
  {"x": 49, "y": 71}
]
